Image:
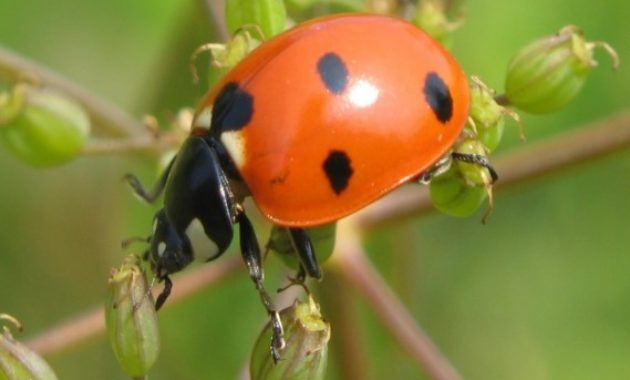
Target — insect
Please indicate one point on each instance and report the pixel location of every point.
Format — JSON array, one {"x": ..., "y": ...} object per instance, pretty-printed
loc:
[{"x": 314, "y": 124}]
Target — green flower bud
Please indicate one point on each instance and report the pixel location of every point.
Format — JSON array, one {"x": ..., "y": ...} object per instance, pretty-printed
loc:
[
  {"x": 18, "y": 362},
  {"x": 269, "y": 15},
  {"x": 491, "y": 137},
  {"x": 131, "y": 319},
  {"x": 487, "y": 116},
  {"x": 453, "y": 195},
  {"x": 547, "y": 74},
  {"x": 472, "y": 173},
  {"x": 41, "y": 126},
  {"x": 431, "y": 17},
  {"x": 305, "y": 355},
  {"x": 225, "y": 56},
  {"x": 322, "y": 238}
]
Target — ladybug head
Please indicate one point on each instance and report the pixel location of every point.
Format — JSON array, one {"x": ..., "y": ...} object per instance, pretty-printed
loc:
[{"x": 170, "y": 250}]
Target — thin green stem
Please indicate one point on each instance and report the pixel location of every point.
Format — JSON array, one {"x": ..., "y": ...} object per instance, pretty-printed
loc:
[{"x": 104, "y": 114}]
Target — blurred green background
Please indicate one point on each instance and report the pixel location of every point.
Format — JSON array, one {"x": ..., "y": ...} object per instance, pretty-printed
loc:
[{"x": 540, "y": 292}]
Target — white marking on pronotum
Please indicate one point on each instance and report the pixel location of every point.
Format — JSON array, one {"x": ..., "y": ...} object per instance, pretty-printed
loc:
[
  {"x": 161, "y": 248},
  {"x": 203, "y": 247},
  {"x": 235, "y": 145},
  {"x": 204, "y": 118}
]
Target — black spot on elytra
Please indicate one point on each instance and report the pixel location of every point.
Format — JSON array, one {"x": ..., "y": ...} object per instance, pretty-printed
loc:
[
  {"x": 338, "y": 170},
  {"x": 233, "y": 109},
  {"x": 333, "y": 72},
  {"x": 438, "y": 96}
]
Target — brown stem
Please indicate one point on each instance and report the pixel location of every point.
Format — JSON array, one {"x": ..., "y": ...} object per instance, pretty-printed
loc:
[
  {"x": 215, "y": 11},
  {"x": 347, "y": 342},
  {"x": 359, "y": 272},
  {"x": 131, "y": 144},
  {"x": 517, "y": 167},
  {"x": 564, "y": 151},
  {"x": 103, "y": 113}
]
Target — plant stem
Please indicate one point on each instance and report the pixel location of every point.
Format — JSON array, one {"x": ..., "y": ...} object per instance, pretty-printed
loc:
[
  {"x": 215, "y": 12},
  {"x": 337, "y": 302},
  {"x": 104, "y": 114},
  {"x": 131, "y": 144},
  {"x": 359, "y": 272}
]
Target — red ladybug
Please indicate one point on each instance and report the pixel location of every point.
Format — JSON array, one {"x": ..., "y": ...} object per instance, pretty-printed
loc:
[{"x": 315, "y": 124}]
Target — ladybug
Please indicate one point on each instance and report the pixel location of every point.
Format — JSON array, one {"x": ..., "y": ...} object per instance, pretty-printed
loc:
[{"x": 314, "y": 124}]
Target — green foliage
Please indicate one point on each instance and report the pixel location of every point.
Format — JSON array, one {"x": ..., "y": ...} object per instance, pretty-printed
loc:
[
  {"x": 269, "y": 15},
  {"x": 43, "y": 127},
  {"x": 488, "y": 117},
  {"x": 304, "y": 9},
  {"x": 225, "y": 56},
  {"x": 322, "y": 237},
  {"x": 432, "y": 17}
]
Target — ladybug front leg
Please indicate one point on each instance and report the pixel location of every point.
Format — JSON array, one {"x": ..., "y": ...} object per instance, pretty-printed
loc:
[
  {"x": 166, "y": 292},
  {"x": 444, "y": 164},
  {"x": 253, "y": 259},
  {"x": 149, "y": 196},
  {"x": 476, "y": 159}
]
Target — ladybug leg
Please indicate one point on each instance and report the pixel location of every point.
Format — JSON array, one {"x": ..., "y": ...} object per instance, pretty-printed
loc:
[
  {"x": 299, "y": 279},
  {"x": 438, "y": 168},
  {"x": 304, "y": 248},
  {"x": 149, "y": 196},
  {"x": 253, "y": 259},
  {"x": 478, "y": 160},
  {"x": 445, "y": 162},
  {"x": 168, "y": 286},
  {"x": 250, "y": 249},
  {"x": 300, "y": 276}
]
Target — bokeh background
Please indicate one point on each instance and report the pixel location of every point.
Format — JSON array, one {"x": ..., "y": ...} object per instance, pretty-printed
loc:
[{"x": 542, "y": 291}]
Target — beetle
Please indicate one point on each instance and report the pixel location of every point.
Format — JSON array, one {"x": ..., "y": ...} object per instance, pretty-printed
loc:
[{"x": 314, "y": 124}]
